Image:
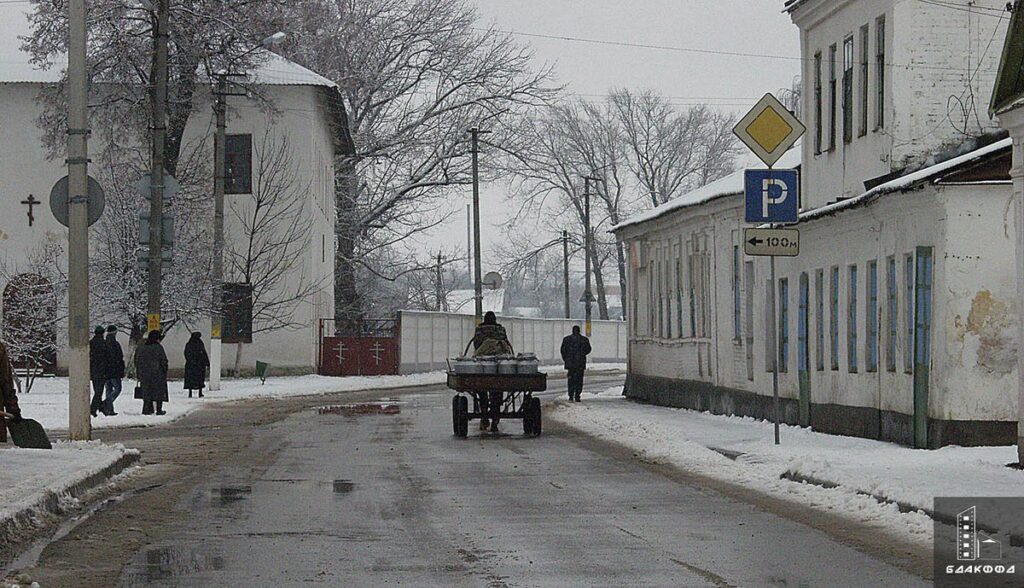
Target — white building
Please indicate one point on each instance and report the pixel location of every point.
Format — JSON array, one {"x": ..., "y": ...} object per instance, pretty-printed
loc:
[
  {"x": 307, "y": 115},
  {"x": 897, "y": 319}
]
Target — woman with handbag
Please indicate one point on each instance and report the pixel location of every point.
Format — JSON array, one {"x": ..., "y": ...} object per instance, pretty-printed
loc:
[{"x": 151, "y": 364}]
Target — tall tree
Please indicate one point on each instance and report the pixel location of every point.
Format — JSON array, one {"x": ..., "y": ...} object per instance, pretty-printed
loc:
[{"x": 415, "y": 75}]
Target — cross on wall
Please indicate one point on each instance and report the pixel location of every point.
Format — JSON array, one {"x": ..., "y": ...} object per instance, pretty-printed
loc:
[
  {"x": 31, "y": 202},
  {"x": 341, "y": 352},
  {"x": 378, "y": 352}
]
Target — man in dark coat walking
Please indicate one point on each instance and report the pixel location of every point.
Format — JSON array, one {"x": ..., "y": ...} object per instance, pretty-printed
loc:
[
  {"x": 114, "y": 371},
  {"x": 151, "y": 365},
  {"x": 97, "y": 369},
  {"x": 575, "y": 349}
]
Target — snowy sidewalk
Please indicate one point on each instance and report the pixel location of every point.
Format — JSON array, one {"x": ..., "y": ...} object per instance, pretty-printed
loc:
[
  {"x": 867, "y": 480},
  {"x": 39, "y": 484},
  {"x": 48, "y": 400}
]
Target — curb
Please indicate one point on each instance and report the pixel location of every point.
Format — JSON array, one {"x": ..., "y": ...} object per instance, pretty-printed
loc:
[{"x": 33, "y": 517}]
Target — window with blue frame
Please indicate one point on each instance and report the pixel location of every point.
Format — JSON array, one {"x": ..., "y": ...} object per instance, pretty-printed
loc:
[
  {"x": 802, "y": 354},
  {"x": 819, "y": 316},
  {"x": 923, "y": 316},
  {"x": 871, "y": 347},
  {"x": 851, "y": 321},
  {"x": 908, "y": 320},
  {"x": 833, "y": 327},
  {"x": 783, "y": 325},
  {"x": 892, "y": 310},
  {"x": 737, "y": 331}
]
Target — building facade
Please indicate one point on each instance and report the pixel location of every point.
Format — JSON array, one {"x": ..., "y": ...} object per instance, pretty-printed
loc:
[{"x": 896, "y": 320}]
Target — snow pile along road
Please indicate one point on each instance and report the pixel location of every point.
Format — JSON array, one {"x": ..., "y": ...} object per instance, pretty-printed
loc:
[
  {"x": 39, "y": 484},
  {"x": 872, "y": 479}
]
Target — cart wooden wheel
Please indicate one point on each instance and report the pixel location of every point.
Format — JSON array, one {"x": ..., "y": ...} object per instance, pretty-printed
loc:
[
  {"x": 455, "y": 414},
  {"x": 533, "y": 410},
  {"x": 527, "y": 420},
  {"x": 462, "y": 416}
]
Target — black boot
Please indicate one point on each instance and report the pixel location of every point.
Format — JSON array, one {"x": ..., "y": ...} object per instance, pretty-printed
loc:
[
  {"x": 160, "y": 408},
  {"x": 190, "y": 393},
  {"x": 200, "y": 392}
]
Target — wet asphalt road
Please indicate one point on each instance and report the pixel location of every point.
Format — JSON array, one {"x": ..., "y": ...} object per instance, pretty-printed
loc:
[{"x": 382, "y": 500}]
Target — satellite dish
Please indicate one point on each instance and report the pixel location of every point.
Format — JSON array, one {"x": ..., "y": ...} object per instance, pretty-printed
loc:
[{"x": 492, "y": 280}]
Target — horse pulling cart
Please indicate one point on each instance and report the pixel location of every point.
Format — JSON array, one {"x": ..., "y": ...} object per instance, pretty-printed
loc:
[{"x": 517, "y": 399}]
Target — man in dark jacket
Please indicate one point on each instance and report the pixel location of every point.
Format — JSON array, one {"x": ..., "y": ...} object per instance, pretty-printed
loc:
[
  {"x": 575, "y": 349},
  {"x": 114, "y": 372},
  {"x": 97, "y": 369},
  {"x": 8, "y": 393}
]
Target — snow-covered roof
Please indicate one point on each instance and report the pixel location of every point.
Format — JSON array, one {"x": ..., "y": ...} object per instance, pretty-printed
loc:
[
  {"x": 730, "y": 185},
  {"x": 932, "y": 172},
  {"x": 462, "y": 301},
  {"x": 273, "y": 70},
  {"x": 791, "y": 5}
]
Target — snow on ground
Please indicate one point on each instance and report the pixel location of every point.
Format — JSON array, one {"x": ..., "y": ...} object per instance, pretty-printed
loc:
[
  {"x": 864, "y": 470},
  {"x": 29, "y": 477},
  {"x": 48, "y": 400}
]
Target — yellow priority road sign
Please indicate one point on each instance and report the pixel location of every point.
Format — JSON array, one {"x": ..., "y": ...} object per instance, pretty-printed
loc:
[{"x": 769, "y": 130}]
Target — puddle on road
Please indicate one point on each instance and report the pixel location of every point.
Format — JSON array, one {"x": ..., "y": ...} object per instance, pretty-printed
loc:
[
  {"x": 363, "y": 408},
  {"x": 162, "y": 563},
  {"x": 343, "y": 486},
  {"x": 225, "y": 495}
]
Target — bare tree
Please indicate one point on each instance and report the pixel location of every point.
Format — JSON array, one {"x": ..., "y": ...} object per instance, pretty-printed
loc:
[
  {"x": 673, "y": 151},
  {"x": 271, "y": 233},
  {"x": 34, "y": 311},
  {"x": 415, "y": 75}
]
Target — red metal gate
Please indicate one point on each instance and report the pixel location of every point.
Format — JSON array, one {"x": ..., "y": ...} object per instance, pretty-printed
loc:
[{"x": 372, "y": 350}]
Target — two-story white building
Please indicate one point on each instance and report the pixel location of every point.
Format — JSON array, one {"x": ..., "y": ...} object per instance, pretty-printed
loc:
[
  {"x": 297, "y": 110},
  {"x": 896, "y": 321}
]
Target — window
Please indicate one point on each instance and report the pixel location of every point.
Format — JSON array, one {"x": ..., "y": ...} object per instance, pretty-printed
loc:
[
  {"x": 848, "y": 90},
  {"x": 908, "y": 320},
  {"x": 236, "y": 300},
  {"x": 871, "y": 346},
  {"x": 238, "y": 164},
  {"x": 783, "y": 325},
  {"x": 923, "y": 314},
  {"x": 693, "y": 297},
  {"x": 819, "y": 315},
  {"x": 817, "y": 102},
  {"x": 891, "y": 307},
  {"x": 833, "y": 326},
  {"x": 864, "y": 97},
  {"x": 748, "y": 270},
  {"x": 880, "y": 72},
  {"x": 851, "y": 321},
  {"x": 737, "y": 328},
  {"x": 770, "y": 334},
  {"x": 832, "y": 97},
  {"x": 679, "y": 294}
]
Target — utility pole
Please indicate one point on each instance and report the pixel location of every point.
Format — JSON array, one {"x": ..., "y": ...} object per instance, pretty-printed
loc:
[
  {"x": 587, "y": 239},
  {"x": 439, "y": 286},
  {"x": 156, "y": 177},
  {"x": 565, "y": 272},
  {"x": 478, "y": 288},
  {"x": 217, "y": 296},
  {"x": 469, "y": 242},
  {"x": 80, "y": 427}
]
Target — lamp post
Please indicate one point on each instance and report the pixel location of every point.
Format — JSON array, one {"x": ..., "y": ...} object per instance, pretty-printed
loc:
[
  {"x": 587, "y": 242},
  {"x": 220, "y": 108}
]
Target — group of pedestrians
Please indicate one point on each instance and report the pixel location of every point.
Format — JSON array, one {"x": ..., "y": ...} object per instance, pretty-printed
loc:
[{"x": 107, "y": 370}]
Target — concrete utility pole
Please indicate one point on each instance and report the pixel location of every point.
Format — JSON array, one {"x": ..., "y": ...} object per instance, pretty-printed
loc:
[
  {"x": 156, "y": 177},
  {"x": 80, "y": 427},
  {"x": 478, "y": 288},
  {"x": 565, "y": 272},
  {"x": 217, "y": 296},
  {"x": 469, "y": 242},
  {"x": 440, "y": 286}
]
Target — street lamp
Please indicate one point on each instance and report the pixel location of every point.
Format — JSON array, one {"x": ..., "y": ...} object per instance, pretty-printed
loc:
[{"x": 220, "y": 109}]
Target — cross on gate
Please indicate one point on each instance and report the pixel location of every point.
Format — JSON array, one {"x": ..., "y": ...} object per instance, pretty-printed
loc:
[
  {"x": 31, "y": 202},
  {"x": 378, "y": 352},
  {"x": 341, "y": 352}
]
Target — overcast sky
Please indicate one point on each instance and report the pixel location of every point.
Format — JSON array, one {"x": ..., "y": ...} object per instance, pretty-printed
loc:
[{"x": 755, "y": 27}]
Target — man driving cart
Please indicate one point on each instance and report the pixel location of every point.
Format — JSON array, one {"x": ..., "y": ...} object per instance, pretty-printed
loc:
[{"x": 490, "y": 338}]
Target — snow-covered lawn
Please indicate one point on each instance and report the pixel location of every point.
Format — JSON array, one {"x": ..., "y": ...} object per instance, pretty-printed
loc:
[
  {"x": 864, "y": 470},
  {"x": 48, "y": 400}
]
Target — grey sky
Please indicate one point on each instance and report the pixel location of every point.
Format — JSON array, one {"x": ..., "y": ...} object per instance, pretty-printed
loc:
[{"x": 738, "y": 26}]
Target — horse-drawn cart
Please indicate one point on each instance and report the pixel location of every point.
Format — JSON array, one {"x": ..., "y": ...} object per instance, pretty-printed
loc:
[{"x": 516, "y": 399}]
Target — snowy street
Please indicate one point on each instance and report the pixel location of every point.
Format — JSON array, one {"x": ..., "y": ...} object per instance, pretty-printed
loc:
[{"x": 274, "y": 492}]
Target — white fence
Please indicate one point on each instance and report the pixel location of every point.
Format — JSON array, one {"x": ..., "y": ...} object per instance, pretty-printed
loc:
[{"x": 428, "y": 339}]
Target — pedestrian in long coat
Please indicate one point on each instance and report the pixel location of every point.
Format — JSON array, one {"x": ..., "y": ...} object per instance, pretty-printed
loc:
[
  {"x": 196, "y": 362},
  {"x": 97, "y": 369},
  {"x": 575, "y": 349},
  {"x": 8, "y": 393},
  {"x": 115, "y": 371},
  {"x": 151, "y": 364}
]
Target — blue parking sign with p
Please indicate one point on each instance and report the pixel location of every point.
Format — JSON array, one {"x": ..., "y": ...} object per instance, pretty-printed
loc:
[{"x": 772, "y": 195}]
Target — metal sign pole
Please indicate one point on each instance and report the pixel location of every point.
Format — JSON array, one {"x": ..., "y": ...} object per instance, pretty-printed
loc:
[{"x": 775, "y": 333}]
